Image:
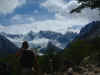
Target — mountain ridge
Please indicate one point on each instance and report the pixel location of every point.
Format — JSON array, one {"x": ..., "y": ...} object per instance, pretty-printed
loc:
[
  {"x": 42, "y": 38},
  {"x": 91, "y": 30}
]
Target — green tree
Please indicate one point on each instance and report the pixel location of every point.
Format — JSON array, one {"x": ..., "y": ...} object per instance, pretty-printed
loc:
[
  {"x": 87, "y": 3},
  {"x": 80, "y": 49},
  {"x": 77, "y": 51},
  {"x": 51, "y": 61}
]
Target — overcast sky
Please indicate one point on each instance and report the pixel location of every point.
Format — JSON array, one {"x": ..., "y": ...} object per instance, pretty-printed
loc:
[{"x": 21, "y": 16}]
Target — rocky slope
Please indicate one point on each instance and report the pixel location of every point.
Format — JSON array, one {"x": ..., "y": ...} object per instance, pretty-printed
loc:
[
  {"x": 91, "y": 30},
  {"x": 6, "y": 46}
]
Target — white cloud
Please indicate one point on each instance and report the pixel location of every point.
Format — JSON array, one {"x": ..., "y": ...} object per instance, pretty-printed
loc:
[
  {"x": 63, "y": 21},
  {"x": 2, "y": 28},
  {"x": 59, "y": 5},
  {"x": 60, "y": 26},
  {"x": 20, "y": 19},
  {"x": 62, "y": 12},
  {"x": 8, "y": 6},
  {"x": 53, "y": 5}
]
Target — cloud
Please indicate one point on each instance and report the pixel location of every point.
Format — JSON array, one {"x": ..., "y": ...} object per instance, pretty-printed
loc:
[
  {"x": 22, "y": 19},
  {"x": 62, "y": 22},
  {"x": 62, "y": 11},
  {"x": 59, "y": 5},
  {"x": 2, "y": 28},
  {"x": 8, "y": 6},
  {"x": 36, "y": 26},
  {"x": 53, "y": 5}
]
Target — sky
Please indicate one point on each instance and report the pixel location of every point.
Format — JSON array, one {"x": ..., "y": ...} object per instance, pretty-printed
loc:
[{"x": 22, "y": 16}]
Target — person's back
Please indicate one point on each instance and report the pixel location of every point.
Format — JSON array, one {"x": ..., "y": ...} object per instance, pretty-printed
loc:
[
  {"x": 27, "y": 62},
  {"x": 27, "y": 59}
]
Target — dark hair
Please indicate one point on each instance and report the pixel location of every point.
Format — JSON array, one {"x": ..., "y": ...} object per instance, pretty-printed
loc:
[{"x": 25, "y": 45}]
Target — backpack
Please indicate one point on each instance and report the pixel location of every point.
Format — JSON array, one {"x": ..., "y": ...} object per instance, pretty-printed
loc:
[{"x": 27, "y": 59}]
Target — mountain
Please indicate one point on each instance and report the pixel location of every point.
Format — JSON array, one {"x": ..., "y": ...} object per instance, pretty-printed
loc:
[
  {"x": 47, "y": 36},
  {"x": 85, "y": 45},
  {"x": 30, "y": 36},
  {"x": 14, "y": 36},
  {"x": 6, "y": 47},
  {"x": 52, "y": 47},
  {"x": 42, "y": 38},
  {"x": 91, "y": 30}
]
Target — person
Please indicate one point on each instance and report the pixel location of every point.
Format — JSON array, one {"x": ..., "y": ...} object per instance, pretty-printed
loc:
[{"x": 28, "y": 60}]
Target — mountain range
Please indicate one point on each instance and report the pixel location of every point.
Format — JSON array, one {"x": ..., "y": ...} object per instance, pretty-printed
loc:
[
  {"x": 44, "y": 39},
  {"x": 41, "y": 39}
]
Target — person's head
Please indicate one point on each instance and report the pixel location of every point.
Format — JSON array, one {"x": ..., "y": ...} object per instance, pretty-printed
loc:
[{"x": 25, "y": 45}]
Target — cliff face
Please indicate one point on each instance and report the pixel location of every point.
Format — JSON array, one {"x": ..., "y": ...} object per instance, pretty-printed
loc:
[{"x": 91, "y": 30}]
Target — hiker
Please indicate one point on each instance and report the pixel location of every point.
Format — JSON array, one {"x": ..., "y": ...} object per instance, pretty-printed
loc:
[{"x": 27, "y": 59}]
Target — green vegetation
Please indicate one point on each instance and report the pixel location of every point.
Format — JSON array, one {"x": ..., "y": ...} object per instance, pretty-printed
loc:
[
  {"x": 52, "y": 61},
  {"x": 80, "y": 49},
  {"x": 11, "y": 60}
]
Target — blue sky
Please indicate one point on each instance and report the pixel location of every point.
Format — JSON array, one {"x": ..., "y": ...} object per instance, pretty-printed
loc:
[
  {"x": 31, "y": 8},
  {"x": 22, "y": 16}
]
